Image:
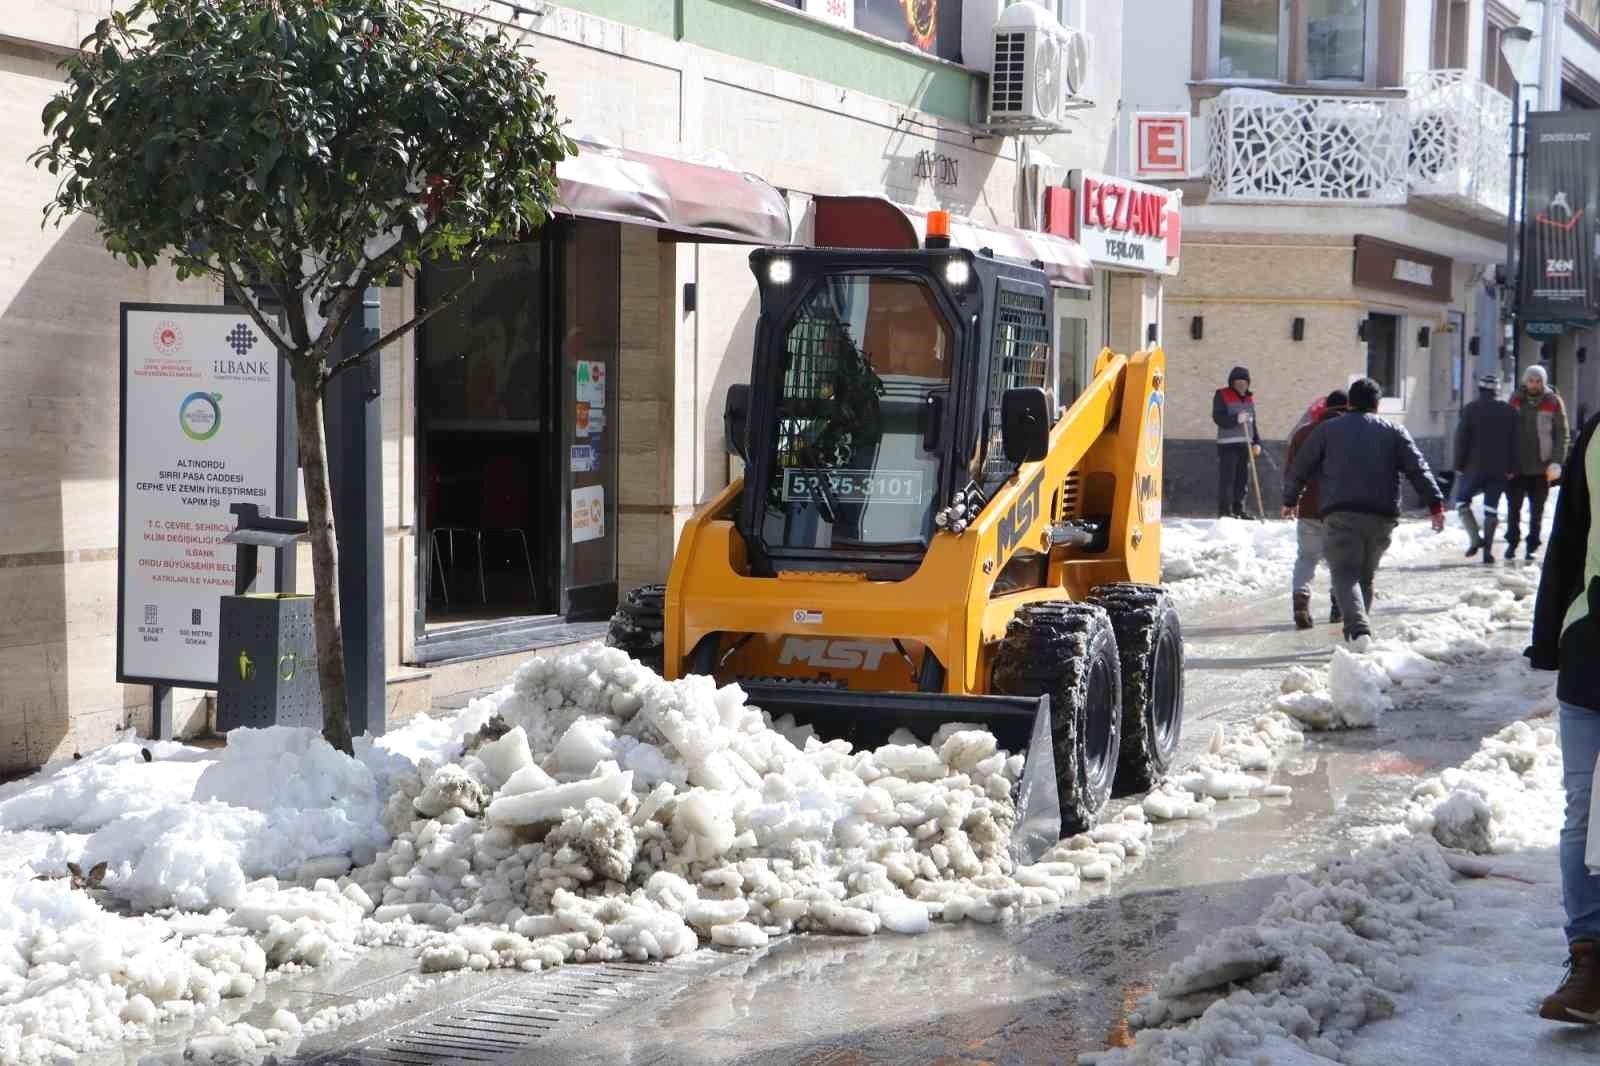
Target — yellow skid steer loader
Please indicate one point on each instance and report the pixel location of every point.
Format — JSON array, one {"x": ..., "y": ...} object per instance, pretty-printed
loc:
[{"x": 923, "y": 537}]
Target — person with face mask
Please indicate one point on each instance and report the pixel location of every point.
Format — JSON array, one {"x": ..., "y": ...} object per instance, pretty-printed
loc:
[
  {"x": 1233, "y": 409},
  {"x": 1542, "y": 442}
]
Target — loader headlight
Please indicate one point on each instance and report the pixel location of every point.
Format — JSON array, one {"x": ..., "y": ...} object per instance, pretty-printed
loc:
[
  {"x": 780, "y": 271},
  {"x": 957, "y": 273}
]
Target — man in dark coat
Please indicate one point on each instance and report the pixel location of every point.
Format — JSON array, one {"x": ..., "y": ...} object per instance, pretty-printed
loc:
[
  {"x": 1566, "y": 637},
  {"x": 1309, "y": 533},
  {"x": 1542, "y": 441},
  {"x": 1233, "y": 409},
  {"x": 1486, "y": 458},
  {"x": 1360, "y": 459}
]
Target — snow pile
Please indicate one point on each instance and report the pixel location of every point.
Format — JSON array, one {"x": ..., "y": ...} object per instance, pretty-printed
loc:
[
  {"x": 1356, "y": 689},
  {"x": 1507, "y": 797},
  {"x": 1227, "y": 769},
  {"x": 74, "y": 976},
  {"x": 86, "y": 794},
  {"x": 1321, "y": 962},
  {"x": 603, "y": 814},
  {"x": 1201, "y": 558}
]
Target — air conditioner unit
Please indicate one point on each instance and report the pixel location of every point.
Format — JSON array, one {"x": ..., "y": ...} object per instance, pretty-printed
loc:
[{"x": 1040, "y": 68}]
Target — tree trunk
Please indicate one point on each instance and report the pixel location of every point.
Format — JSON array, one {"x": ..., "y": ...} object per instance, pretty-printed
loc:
[{"x": 324, "y": 562}]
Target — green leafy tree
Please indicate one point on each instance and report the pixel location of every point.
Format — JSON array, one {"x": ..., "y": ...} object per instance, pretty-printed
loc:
[{"x": 303, "y": 150}]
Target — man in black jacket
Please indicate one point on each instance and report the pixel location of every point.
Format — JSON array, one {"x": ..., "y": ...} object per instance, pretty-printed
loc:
[
  {"x": 1486, "y": 457},
  {"x": 1233, "y": 409},
  {"x": 1360, "y": 459},
  {"x": 1566, "y": 637}
]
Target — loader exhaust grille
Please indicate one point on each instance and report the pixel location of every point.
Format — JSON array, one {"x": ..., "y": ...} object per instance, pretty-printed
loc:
[
  {"x": 1019, "y": 359},
  {"x": 1067, "y": 500}
]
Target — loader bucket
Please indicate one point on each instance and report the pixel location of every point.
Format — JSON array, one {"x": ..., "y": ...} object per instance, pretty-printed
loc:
[{"x": 866, "y": 719}]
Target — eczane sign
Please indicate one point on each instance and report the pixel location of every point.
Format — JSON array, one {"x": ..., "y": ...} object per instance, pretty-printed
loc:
[{"x": 1121, "y": 224}]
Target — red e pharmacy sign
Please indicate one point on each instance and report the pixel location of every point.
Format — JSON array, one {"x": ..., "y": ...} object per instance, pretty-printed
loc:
[{"x": 1161, "y": 144}]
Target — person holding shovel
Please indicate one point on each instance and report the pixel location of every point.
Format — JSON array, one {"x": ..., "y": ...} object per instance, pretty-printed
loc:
[{"x": 1233, "y": 409}]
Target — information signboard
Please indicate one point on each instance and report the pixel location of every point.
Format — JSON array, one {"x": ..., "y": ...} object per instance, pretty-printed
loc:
[{"x": 203, "y": 397}]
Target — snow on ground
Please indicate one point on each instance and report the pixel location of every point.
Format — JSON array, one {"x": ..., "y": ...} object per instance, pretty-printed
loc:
[
  {"x": 587, "y": 811},
  {"x": 1371, "y": 952},
  {"x": 1206, "y": 557}
]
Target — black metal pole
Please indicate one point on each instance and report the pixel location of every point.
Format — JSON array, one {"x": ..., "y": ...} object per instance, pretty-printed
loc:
[
  {"x": 1522, "y": 249},
  {"x": 353, "y": 418},
  {"x": 1508, "y": 312}
]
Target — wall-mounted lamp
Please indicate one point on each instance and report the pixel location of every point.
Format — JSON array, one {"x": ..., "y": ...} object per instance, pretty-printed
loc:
[
  {"x": 1583, "y": 354},
  {"x": 1472, "y": 346},
  {"x": 1361, "y": 331},
  {"x": 1297, "y": 329},
  {"x": 690, "y": 297},
  {"x": 1150, "y": 333},
  {"x": 1197, "y": 327},
  {"x": 1424, "y": 337}
]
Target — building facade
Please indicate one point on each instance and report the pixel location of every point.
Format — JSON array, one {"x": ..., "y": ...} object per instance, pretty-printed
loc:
[
  {"x": 1344, "y": 209},
  {"x": 545, "y": 439}
]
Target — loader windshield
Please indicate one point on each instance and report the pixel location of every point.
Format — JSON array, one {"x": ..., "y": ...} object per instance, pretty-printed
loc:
[{"x": 863, "y": 358}]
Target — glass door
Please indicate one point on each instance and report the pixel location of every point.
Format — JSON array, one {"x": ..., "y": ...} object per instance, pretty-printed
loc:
[
  {"x": 484, "y": 435},
  {"x": 591, "y": 286}
]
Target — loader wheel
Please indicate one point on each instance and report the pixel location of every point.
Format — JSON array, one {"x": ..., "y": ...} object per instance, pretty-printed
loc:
[
  {"x": 1068, "y": 651},
  {"x": 638, "y": 624},
  {"x": 1150, "y": 641}
]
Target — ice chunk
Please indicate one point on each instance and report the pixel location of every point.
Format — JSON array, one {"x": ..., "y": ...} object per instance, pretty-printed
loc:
[{"x": 547, "y": 805}]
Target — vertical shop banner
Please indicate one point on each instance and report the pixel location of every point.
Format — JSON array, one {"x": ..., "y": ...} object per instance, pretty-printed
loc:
[
  {"x": 202, "y": 400},
  {"x": 1558, "y": 216}
]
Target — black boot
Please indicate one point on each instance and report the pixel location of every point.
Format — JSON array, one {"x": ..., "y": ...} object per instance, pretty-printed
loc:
[
  {"x": 1469, "y": 522},
  {"x": 1489, "y": 522},
  {"x": 1302, "y": 610},
  {"x": 1335, "y": 616}
]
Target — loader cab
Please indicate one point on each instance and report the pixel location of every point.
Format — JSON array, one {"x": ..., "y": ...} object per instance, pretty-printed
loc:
[{"x": 877, "y": 386}]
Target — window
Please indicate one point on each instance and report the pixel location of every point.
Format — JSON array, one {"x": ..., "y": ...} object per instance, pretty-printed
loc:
[
  {"x": 1384, "y": 362},
  {"x": 864, "y": 357},
  {"x": 1338, "y": 36},
  {"x": 1586, "y": 12},
  {"x": 1020, "y": 359},
  {"x": 1249, "y": 39}
]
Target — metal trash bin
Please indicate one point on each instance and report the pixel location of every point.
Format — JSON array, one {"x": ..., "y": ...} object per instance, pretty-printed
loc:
[{"x": 267, "y": 647}]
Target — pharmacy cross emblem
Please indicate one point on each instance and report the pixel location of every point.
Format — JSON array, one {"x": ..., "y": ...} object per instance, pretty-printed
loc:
[{"x": 241, "y": 339}]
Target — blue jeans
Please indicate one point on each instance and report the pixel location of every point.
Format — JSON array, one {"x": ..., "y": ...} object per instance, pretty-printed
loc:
[
  {"x": 1580, "y": 890},
  {"x": 1470, "y": 485}
]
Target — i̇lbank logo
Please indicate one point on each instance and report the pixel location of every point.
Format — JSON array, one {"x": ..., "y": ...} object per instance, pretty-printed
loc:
[{"x": 1568, "y": 218}]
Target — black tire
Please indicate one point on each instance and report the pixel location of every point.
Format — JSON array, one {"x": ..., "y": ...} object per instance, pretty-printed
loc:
[
  {"x": 1068, "y": 651},
  {"x": 639, "y": 624},
  {"x": 1150, "y": 643}
]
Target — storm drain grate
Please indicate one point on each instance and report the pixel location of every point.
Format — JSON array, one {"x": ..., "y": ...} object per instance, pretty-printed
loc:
[{"x": 506, "y": 1020}]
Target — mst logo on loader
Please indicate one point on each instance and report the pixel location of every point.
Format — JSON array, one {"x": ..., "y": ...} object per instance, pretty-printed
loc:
[
  {"x": 1014, "y": 524},
  {"x": 822, "y": 653}
]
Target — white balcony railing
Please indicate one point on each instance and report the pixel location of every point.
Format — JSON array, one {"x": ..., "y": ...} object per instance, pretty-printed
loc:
[
  {"x": 1444, "y": 141},
  {"x": 1271, "y": 147},
  {"x": 1460, "y": 130}
]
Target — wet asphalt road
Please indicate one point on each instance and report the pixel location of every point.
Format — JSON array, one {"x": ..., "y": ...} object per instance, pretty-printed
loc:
[{"x": 1063, "y": 983}]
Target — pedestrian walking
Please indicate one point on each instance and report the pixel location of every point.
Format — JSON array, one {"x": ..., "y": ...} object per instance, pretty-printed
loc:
[
  {"x": 1566, "y": 638},
  {"x": 1542, "y": 439},
  {"x": 1359, "y": 459},
  {"x": 1233, "y": 409},
  {"x": 1486, "y": 460},
  {"x": 1309, "y": 534}
]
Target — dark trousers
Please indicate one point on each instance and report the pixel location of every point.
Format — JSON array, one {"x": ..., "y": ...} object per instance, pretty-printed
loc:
[
  {"x": 1355, "y": 544},
  {"x": 1233, "y": 473},
  {"x": 1534, "y": 488}
]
